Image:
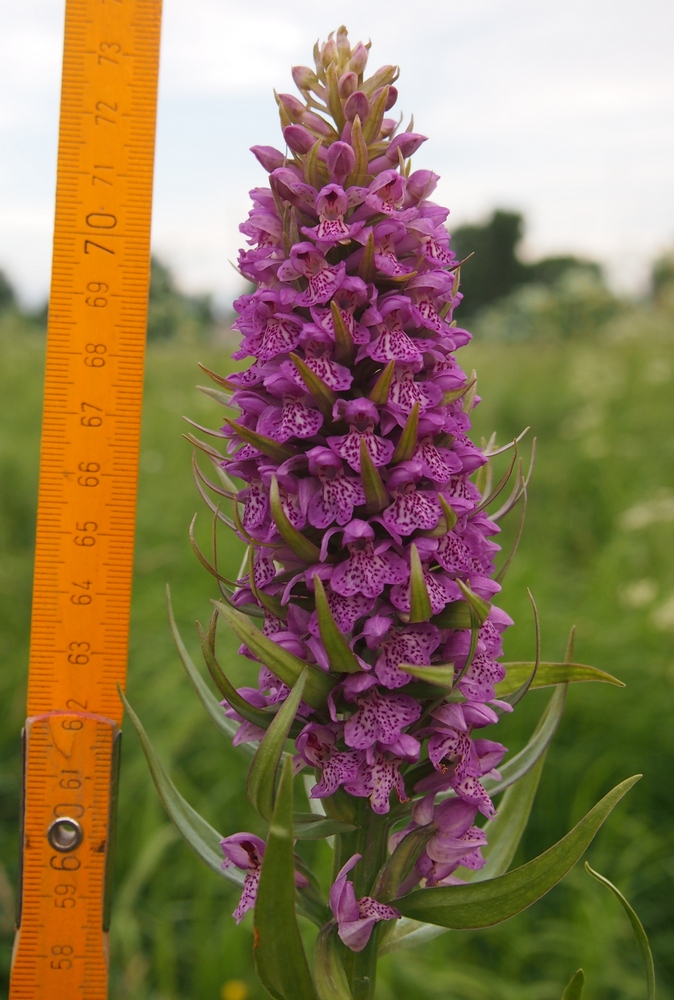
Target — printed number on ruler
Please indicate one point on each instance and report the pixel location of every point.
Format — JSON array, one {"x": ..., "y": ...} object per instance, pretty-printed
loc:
[{"x": 86, "y": 508}]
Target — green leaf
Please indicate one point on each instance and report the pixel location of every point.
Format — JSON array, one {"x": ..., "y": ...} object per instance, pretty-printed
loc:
[
  {"x": 401, "y": 862},
  {"x": 202, "y": 558},
  {"x": 504, "y": 832},
  {"x": 331, "y": 981},
  {"x": 515, "y": 768},
  {"x": 451, "y": 517},
  {"x": 482, "y": 904},
  {"x": 223, "y": 398},
  {"x": 500, "y": 576},
  {"x": 301, "y": 546},
  {"x": 206, "y": 697},
  {"x": 574, "y": 990},
  {"x": 342, "y": 659},
  {"x": 236, "y": 701},
  {"x": 219, "y": 379},
  {"x": 279, "y": 954},
  {"x": 408, "y": 439},
  {"x": 374, "y": 119},
  {"x": 406, "y": 933},
  {"x": 514, "y": 698},
  {"x": 344, "y": 346},
  {"x": 268, "y": 601},
  {"x": 358, "y": 175},
  {"x": 549, "y": 674},
  {"x": 321, "y": 392},
  {"x": 376, "y": 494},
  {"x": 637, "y": 927},
  {"x": 469, "y": 397},
  {"x": 478, "y": 604},
  {"x": 283, "y": 664},
  {"x": 501, "y": 485},
  {"x": 456, "y": 614},
  {"x": 366, "y": 268},
  {"x": 380, "y": 390},
  {"x": 333, "y": 101},
  {"x": 261, "y": 784},
  {"x": 441, "y": 674},
  {"x": 193, "y": 828},
  {"x": 453, "y": 394},
  {"x": 268, "y": 447},
  {"x": 309, "y": 826},
  {"x": 420, "y": 602},
  {"x": 446, "y": 522},
  {"x": 311, "y": 166}
]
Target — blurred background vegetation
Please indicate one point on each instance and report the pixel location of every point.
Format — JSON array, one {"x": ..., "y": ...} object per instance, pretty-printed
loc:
[{"x": 593, "y": 375}]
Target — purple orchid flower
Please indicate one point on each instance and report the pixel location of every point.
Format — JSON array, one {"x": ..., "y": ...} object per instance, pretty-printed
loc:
[
  {"x": 244, "y": 851},
  {"x": 356, "y": 917},
  {"x": 351, "y": 342}
]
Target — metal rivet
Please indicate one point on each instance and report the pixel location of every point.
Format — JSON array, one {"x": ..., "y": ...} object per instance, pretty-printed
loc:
[{"x": 65, "y": 834}]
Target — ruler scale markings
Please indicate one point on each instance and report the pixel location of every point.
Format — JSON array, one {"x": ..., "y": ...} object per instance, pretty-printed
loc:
[{"x": 84, "y": 548}]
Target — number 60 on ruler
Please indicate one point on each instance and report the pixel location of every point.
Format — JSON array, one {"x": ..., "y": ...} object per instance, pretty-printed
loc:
[{"x": 87, "y": 498}]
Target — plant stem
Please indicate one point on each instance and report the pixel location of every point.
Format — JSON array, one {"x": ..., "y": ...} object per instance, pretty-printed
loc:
[
  {"x": 364, "y": 972},
  {"x": 372, "y": 843}
]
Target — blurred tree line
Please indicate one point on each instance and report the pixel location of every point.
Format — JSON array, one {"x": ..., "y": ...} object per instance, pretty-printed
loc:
[
  {"x": 559, "y": 297},
  {"x": 504, "y": 298},
  {"x": 493, "y": 269},
  {"x": 172, "y": 314}
]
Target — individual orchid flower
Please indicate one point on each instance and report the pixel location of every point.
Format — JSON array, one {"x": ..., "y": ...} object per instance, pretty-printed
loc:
[
  {"x": 244, "y": 851},
  {"x": 332, "y": 204},
  {"x": 308, "y": 262},
  {"x": 356, "y": 917}
]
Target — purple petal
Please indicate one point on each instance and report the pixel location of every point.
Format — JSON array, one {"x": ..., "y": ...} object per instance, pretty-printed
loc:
[
  {"x": 454, "y": 746},
  {"x": 366, "y": 573},
  {"x": 477, "y": 684},
  {"x": 348, "y": 448},
  {"x": 248, "y": 895},
  {"x": 414, "y": 644},
  {"x": 335, "y": 501},
  {"x": 346, "y": 610},
  {"x": 380, "y": 718},
  {"x": 298, "y": 420},
  {"x": 438, "y": 467},
  {"x": 410, "y": 511},
  {"x": 257, "y": 506},
  {"x": 377, "y": 780},
  {"x": 281, "y": 334},
  {"x": 337, "y": 769}
]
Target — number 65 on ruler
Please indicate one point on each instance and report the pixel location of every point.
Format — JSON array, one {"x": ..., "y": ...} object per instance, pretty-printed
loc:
[{"x": 87, "y": 498}]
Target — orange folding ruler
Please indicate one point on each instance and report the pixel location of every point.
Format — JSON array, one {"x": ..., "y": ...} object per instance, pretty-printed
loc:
[{"x": 87, "y": 498}]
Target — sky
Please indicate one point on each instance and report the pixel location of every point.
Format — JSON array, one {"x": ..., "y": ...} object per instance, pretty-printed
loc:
[{"x": 560, "y": 109}]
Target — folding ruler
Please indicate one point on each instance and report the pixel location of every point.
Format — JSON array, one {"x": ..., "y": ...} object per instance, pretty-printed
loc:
[{"x": 87, "y": 497}]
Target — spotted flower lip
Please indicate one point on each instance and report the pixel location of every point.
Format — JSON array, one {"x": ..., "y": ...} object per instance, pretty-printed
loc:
[
  {"x": 332, "y": 205},
  {"x": 356, "y": 917},
  {"x": 245, "y": 851},
  {"x": 355, "y": 480}
]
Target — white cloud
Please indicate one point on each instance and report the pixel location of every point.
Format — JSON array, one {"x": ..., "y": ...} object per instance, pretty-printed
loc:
[{"x": 562, "y": 109}]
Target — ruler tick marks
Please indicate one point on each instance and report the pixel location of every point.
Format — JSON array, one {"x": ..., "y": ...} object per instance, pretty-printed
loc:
[{"x": 84, "y": 547}]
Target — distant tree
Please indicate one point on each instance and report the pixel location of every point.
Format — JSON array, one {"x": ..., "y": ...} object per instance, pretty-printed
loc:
[
  {"x": 7, "y": 294},
  {"x": 173, "y": 315},
  {"x": 550, "y": 270},
  {"x": 662, "y": 276},
  {"x": 494, "y": 270}
]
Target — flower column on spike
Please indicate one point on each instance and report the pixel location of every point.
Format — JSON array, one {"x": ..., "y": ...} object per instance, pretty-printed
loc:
[{"x": 352, "y": 442}]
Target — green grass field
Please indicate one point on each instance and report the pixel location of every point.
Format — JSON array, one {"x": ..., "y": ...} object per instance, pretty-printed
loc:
[{"x": 598, "y": 552}]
